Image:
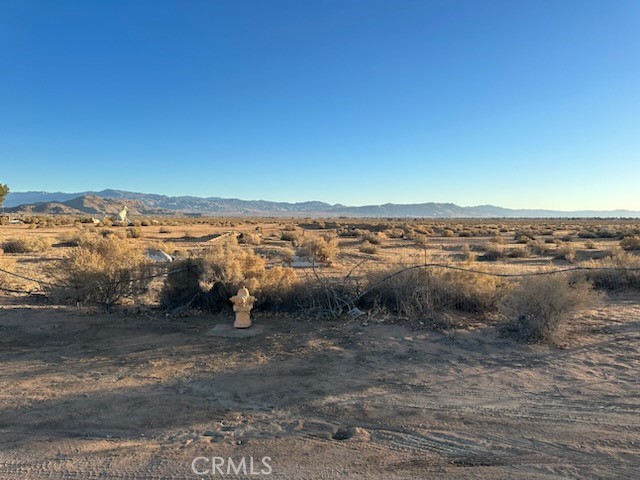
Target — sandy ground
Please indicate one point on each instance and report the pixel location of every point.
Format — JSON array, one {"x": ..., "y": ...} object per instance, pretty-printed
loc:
[{"x": 93, "y": 396}]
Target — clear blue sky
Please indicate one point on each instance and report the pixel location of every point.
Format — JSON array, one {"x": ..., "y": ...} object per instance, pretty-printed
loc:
[{"x": 516, "y": 103}]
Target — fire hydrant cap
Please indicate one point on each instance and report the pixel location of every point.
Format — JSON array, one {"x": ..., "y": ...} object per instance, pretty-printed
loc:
[{"x": 243, "y": 292}]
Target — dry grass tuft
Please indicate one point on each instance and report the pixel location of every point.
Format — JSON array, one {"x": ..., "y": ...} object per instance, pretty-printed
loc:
[
  {"x": 319, "y": 249},
  {"x": 26, "y": 244},
  {"x": 368, "y": 248},
  {"x": 102, "y": 271},
  {"x": 248, "y": 238},
  {"x": 134, "y": 232},
  {"x": 566, "y": 251},
  {"x": 538, "y": 310},
  {"x": 423, "y": 292},
  {"x": 209, "y": 280},
  {"x": 621, "y": 270},
  {"x": 630, "y": 243},
  {"x": 70, "y": 239},
  {"x": 368, "y": 236},
  {"x": 493, "y": 252},
  {"x": 290, "y": 236}
]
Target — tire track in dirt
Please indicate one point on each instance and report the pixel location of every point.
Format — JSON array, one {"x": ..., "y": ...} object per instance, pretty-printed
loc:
[{"x": 562, "y": 413}]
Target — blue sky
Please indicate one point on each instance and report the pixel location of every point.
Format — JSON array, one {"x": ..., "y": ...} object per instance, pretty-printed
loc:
[{"x": 516, "y": 103}]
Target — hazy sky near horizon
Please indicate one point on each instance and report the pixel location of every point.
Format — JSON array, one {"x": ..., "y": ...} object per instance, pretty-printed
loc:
[{"x": 531, "y": 104}]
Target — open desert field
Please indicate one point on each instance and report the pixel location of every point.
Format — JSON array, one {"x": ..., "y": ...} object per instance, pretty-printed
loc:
[
  {"x": 500, "y": 245},
  {"x": 396, "y": 390},
  {"x": 314, "y": 240}
]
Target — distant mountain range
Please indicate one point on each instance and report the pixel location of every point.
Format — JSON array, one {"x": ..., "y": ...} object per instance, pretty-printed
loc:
[
  {"x": 111, "y": 201},
  {"x": 87, "y": 204}
]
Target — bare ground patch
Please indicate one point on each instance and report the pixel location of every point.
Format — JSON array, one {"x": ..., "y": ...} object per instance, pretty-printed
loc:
[{"x": 117, "y": 396}]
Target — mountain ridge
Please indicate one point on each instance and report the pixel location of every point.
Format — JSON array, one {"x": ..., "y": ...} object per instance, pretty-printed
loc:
[
  {"x": 158, "y": 204},
  {"x": 86, "y": 205}
]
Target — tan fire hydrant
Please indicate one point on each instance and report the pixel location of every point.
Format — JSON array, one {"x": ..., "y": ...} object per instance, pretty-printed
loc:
[{"x": 242, "y": 305}]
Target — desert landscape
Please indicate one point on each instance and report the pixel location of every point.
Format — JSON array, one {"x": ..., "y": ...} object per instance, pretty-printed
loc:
[
  {"x": 433, "y": 382},
  {"x": 311, "y": 240}
]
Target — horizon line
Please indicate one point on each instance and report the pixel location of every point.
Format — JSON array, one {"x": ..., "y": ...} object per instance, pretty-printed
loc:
[{"x": 89, "y": 192}]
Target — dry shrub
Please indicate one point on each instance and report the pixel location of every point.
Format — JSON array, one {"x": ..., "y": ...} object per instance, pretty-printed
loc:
[
  {"x": 523, "y": 237},
  {"x": 539, "y": 247},
  {"x": 497, "y": 239},
  {"x": 620, "y": 270},
  {"x": 325, "y": 297},
  {"x": 566, "y": 251},
  {"x": 395, "y": 233},
  {"x": 230, "y": 264},
  {"x": 493, "y": 252},
  {"x": 102, "y": 271},
  {"x": 134, "y": 232},
  {"x": 182, "y": 286},
  {"x": 368, "y": 236},
  {"x": 290, "y": 236},
  {"x": 605, "y": 233},
  {"x": 346, "y": 232},
  {"x": 70, "y": 239},
  {"x": 105, "y": 232},
  {"x": 420, "y": 240},
  {"x": 630, "y": 243},
  {"x": 248, "y": 238},
  {"x": 467, "y": 254},
  {"x": 26, "y": 244},
  {"x": 369, "y": 248},
  {"x": 422, "y": 292},
  {"x": 209, "y": 280},
  {"x": 538, "y": 310},
  {"x": 520, "y": 252},
  {"x": 166, "y": 247},
  {"x": 322, "y": 249}
]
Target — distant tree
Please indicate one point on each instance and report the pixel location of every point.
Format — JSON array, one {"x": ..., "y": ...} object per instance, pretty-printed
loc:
[{"x": 4, "y": 189}]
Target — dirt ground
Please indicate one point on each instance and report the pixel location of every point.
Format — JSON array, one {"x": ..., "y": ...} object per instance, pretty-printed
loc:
[{"x": 95, "y": 396}]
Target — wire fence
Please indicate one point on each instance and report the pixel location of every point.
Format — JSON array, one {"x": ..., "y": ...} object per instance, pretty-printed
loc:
[
  {"x": 50, "y": 284},
  {"x": 406, "y": 266},
  {"x": 414, "y": 285}
]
